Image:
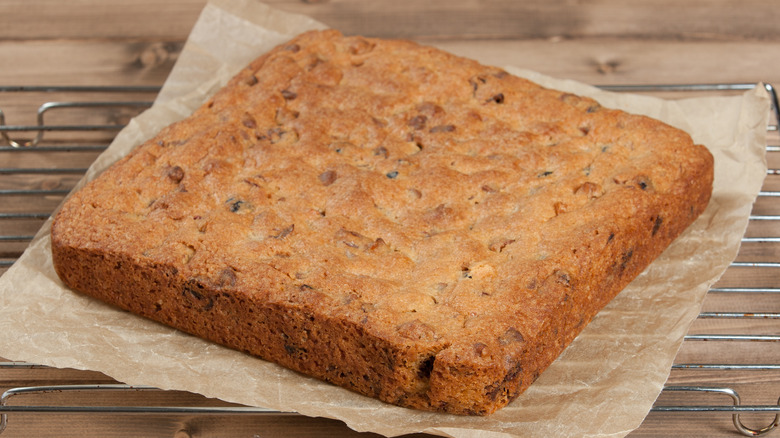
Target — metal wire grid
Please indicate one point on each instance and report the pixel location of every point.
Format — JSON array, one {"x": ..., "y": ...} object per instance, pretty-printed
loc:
[{"x": 10, "y": 144}]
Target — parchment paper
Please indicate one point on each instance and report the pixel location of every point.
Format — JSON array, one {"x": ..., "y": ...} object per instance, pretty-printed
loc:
[{"x": 603, "y": 385}]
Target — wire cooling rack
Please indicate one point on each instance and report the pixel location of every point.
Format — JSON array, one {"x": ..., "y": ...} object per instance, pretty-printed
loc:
[{"x": 40, "y": 162}]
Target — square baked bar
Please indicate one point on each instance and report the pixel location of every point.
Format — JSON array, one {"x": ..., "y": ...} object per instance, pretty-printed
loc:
[{"x": 385, "y": 216}]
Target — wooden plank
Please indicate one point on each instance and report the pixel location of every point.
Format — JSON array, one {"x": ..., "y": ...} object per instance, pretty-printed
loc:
[
  {"x": 546, "y": 18},
  {"x": 92, "y": 62},
  {"x": 178, "y": 426},
  {"x": 715, "y": 19},
  {"x": 596, "y": 61},
  {"x": 103, "y": 19},
  {"x": 625, "y": 61}
]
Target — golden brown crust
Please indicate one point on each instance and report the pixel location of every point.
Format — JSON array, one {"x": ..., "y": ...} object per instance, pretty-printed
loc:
[{"x": 388, "y": 217}]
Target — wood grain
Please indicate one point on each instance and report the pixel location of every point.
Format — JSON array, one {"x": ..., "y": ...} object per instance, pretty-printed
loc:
[
  {"x": 596, "y": 61},
  {"x": 507, "y": 19}
]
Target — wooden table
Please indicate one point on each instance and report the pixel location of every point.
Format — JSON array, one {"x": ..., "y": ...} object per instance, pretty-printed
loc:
[{"x": 135, "y": 43}]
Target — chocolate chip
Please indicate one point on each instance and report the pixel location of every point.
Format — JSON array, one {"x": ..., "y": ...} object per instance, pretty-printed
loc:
[
  {"x": 295, "y": 48},
  {"x": 248, "y": 121},
  {"x": 418, "y": 122},
  {"x": 378, "y": 243},
  {"x": 275, "y": 134},
  {"x": 175, "y": 173},
  {"x": 350, "y": 298},
  {"x": 657, "y": 224},
  {"x": 500, "y": 244},
  {"x": 511, "y": 335},
  {"x": 194, "y": 293},
  {"x": 644, "y": 182},
  {"x": 327, "y": 177},
  {"x": 589, "y": 189},
  {"x": 227, "y": 278},
  {"x": 501, "y": 388},
  {"x": 430, "y": 109},
  {"x": 442, "y": 128},
  {"x": 353, "y": 239},
  {"x": 514, "y": 372},
  {"x": 234, "y": 205},
  {"x": 545, "y": 173},
  {"x": 251, "y": 80},
  {"x": 165, "y": 144},
  {"x": 569, "y": 98},
  {"x": 594, "y": 108},
  {"x": 341, "y": 146},
  {"x": 289, "y": 95},
  {"x": 285, "y": 232},
  {"x": 475, "y": 82},
  {"x": 562, "y": 277},
  {"x": 360, "y": 46},
  {"x": 313, "y": 62},
  {"x": 392, "y": 174},
  {"x": 497, "y": 98},
  {"x": 625, "y": 259},
  {"x": 416, "y": 329}
]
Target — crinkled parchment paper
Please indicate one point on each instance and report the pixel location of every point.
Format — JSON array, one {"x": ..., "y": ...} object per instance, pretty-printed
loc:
[{"x": 604, "y": 383}]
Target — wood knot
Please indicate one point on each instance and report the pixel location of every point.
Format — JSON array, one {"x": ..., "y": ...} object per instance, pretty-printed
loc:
[
  {"x": 155, "y": 55},
  {"x": 607, "y": 67}
]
